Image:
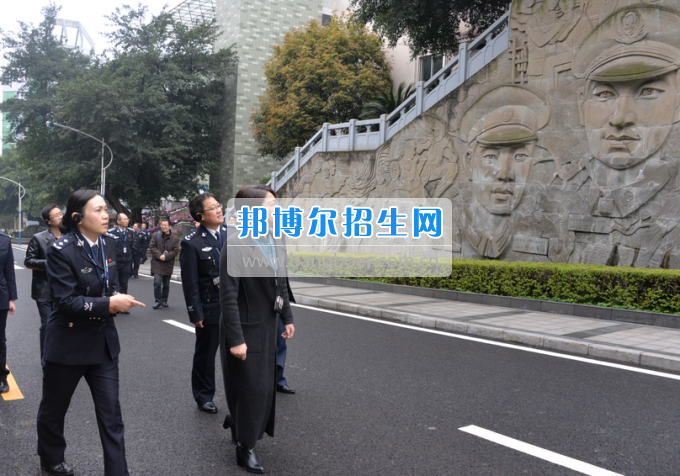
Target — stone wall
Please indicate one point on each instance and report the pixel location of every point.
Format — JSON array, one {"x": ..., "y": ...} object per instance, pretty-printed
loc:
[{"x": 565, "y": 149}]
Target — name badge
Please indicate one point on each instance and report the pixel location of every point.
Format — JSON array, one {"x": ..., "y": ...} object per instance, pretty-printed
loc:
[{"x": 125, "y": 249}]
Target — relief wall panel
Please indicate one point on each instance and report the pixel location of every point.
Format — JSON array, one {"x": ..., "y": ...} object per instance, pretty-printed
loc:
[{"x": 566, "y": 149}]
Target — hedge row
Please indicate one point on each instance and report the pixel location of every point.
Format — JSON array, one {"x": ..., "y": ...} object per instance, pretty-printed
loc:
[{"x": 655, "y": 290}]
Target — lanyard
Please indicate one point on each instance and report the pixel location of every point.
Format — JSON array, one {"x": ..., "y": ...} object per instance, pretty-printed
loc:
[
  {"x": 271, "y": 257},
  {"x": 215, "y": 251},
  {"x": 124, "y": 237}
]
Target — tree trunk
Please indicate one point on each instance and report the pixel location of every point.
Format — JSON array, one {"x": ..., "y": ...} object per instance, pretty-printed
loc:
[{"x": 115, "y": 202}]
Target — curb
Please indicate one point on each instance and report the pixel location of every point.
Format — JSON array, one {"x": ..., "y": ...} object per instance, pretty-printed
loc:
[
  {"x": 536, "y": 305},
  {"x": 581, "y": 348}
]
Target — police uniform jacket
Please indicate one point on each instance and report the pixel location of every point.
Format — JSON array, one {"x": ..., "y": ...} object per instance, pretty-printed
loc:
[
  {"x": 124, "y": 243},
  {"x": 139, "y": 241},
  {"x": 200, "y": 264},
  {"x": 8, "y": 284},
  {"x": 81, "y": 331},
  {"x": 36, "y": 256}
]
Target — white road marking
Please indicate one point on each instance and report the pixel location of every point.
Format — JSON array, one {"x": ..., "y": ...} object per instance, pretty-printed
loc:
[
  {"x": 16, "y": 266},
  {"x": 500, "y": 344},
  {"x": 180, "y": 325},
  {"x": 538, "y": 452}
]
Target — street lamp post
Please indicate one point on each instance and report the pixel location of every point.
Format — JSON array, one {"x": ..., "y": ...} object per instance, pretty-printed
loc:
[
  {"x": 104, "y": 144},
  {"x": 21, "y": 195}
]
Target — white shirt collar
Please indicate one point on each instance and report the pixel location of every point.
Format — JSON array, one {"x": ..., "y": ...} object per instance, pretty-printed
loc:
[
  {"x": 212, "y": 232},
  {"x": 89, "y": 241}
]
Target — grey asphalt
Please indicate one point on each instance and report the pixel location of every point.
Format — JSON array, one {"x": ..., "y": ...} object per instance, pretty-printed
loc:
[{"x": 372, "y": 398}]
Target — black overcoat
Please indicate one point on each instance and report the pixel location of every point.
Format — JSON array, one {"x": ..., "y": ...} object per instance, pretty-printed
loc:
[{"x": 248, "y": 317}]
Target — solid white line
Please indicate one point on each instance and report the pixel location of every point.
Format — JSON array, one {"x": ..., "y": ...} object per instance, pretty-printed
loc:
[
  {"x": 532, "y": 450},
  {"x": 180, "y": 325},
  {"x": 501, "y": 344},
  {"x": 16, "y": 266}
]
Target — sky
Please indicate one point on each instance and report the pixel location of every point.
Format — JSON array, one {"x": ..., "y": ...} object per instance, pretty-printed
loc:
[{"x": 89, "y": 12}]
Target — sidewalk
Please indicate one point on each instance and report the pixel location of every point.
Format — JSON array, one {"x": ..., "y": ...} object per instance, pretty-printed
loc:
[{"x": 625, "y": 343}]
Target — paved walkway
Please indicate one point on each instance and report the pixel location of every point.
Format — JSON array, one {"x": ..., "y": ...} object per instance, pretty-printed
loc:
[{"x": 633, "y": 344}]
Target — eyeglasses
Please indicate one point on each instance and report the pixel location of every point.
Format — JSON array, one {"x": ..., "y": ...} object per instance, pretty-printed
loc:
[
  {"x": 57, "y": 215},
  {"x": 214, "y": 207}
]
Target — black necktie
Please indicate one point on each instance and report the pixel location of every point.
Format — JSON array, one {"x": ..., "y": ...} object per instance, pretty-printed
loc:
[
  {"x": 95, "y": 253},
  {"x": 219, "y": 237}
]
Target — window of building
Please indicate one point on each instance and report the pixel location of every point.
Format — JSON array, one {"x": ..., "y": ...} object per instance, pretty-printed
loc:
[
  {"x": 325, "y": 19},
  {"x": 429, "y": 65}
]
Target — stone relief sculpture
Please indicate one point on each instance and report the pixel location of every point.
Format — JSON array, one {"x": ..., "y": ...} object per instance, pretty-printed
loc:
[
  {"x": 502, "y": 148},
  {"x": 568, "y": 153}
]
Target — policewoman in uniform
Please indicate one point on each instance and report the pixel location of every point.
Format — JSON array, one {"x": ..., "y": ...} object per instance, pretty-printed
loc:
[
  {"x": 200, "y": 268},
  {"x": 81, "y": 338}
]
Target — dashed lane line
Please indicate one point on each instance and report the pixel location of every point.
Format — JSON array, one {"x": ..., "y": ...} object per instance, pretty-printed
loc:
[
  {"x": 180, "y": 325},
  {"x": 550, "y": 456},
  {"x": 14, "y": 392}
]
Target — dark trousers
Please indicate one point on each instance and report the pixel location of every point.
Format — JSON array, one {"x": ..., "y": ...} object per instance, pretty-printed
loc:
[
  {"x": 136, "y": 259},
  {"x": 45, "y": 310},
  {"x": 59, "y": 383},
  {"x": 161, "y": 287},
  {"x": 124, "y": 273},
  {"x": 203, "y": 371},
  {"x": 281, "y": 349},
  {"x": 3, "y": 345}
]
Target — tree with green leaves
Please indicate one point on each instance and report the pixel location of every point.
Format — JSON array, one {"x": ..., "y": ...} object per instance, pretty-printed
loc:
[
  {"x": 429, "y": 26},
  {"x": 386, "y": 102},
  {"x": 155, "y": 98},
  {"x": 319, "y": 74}
]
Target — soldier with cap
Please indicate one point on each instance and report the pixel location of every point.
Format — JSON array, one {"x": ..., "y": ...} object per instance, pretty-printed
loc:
[
  {"x": 628, "y": 103},
  {"x": 501, "y": 152}
]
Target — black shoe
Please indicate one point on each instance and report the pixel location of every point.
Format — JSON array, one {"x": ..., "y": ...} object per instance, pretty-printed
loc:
[
  {"x": 284, "y": 389},
  {"x": 61, "y": 469},
  {"x": 208, "y": 407},
  {"x": 136, "y": 277},
  {"x": 4, "y": 386},
  {"x": 157, "y": 305},
  {"x": 245, "y": 458},
  {"x": 165, "y": 303}
]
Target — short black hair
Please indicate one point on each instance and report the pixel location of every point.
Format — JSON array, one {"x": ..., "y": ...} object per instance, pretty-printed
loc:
[
  {"x": 164, "y": 219},
  {"x": 76, "y": 204},
  {"x": 196, "y": 204},
  {"x": 121, "y": 213},
  {"x": 47, "y": 209}
]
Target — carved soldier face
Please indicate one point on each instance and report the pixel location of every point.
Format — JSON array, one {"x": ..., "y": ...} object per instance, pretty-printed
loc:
[
  {"x": 395, "y": 170},
  {"x": 626, "y": 122},
  {"x": 499, "y": 175}
]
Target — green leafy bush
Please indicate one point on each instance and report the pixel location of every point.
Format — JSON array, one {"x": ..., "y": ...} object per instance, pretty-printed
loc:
[{"x": 655, "y": 290}]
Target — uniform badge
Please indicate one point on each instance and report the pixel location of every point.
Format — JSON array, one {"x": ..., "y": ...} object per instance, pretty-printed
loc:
[
  {"x": 206, "y": 248},
  {"x": 86, "y": 270},
  {"x": 88, "y": 306}
]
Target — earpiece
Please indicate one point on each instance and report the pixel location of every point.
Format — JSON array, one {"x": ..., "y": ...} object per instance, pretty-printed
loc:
[
  {"x": 199, "y": 217},
  {"x": 76, "y": 218}
]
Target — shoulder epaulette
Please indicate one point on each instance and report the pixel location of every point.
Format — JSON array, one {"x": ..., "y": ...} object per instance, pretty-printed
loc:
[
  {"x": 64, "y": 241},
  {"x": 111, "y": 230},
  {"x": 5, "y": 234},
  {"x": 111, "y": 235},
  {"x": 191, "y": 235}
]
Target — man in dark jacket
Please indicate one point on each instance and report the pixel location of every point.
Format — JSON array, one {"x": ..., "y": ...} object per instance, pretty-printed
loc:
[
  {"x": 139, "y": 243},
  {"x": 36, "y": 256},
  {"x": 164, "y": 247},
  {"x": 147, "y": 234},
  {"x": 200, "y": 267},
  {"x": 125, "y": 236},
  {"x": 8, "y": 294}
]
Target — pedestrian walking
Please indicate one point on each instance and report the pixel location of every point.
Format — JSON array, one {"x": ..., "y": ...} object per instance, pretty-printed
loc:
[
  {"x": 138, "y": 246},
  {"x": 147, "y": 234},
  {"x": 248, "y": 330},
  {"x": 81, "y": 338},
  {"x": 164, "y": 247},
  {"x": 36, "y": 258},
  {"x": 8, "y": 294},
  {"x": 200, "y": 267},
  {"x": 125, "y": 236}
]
